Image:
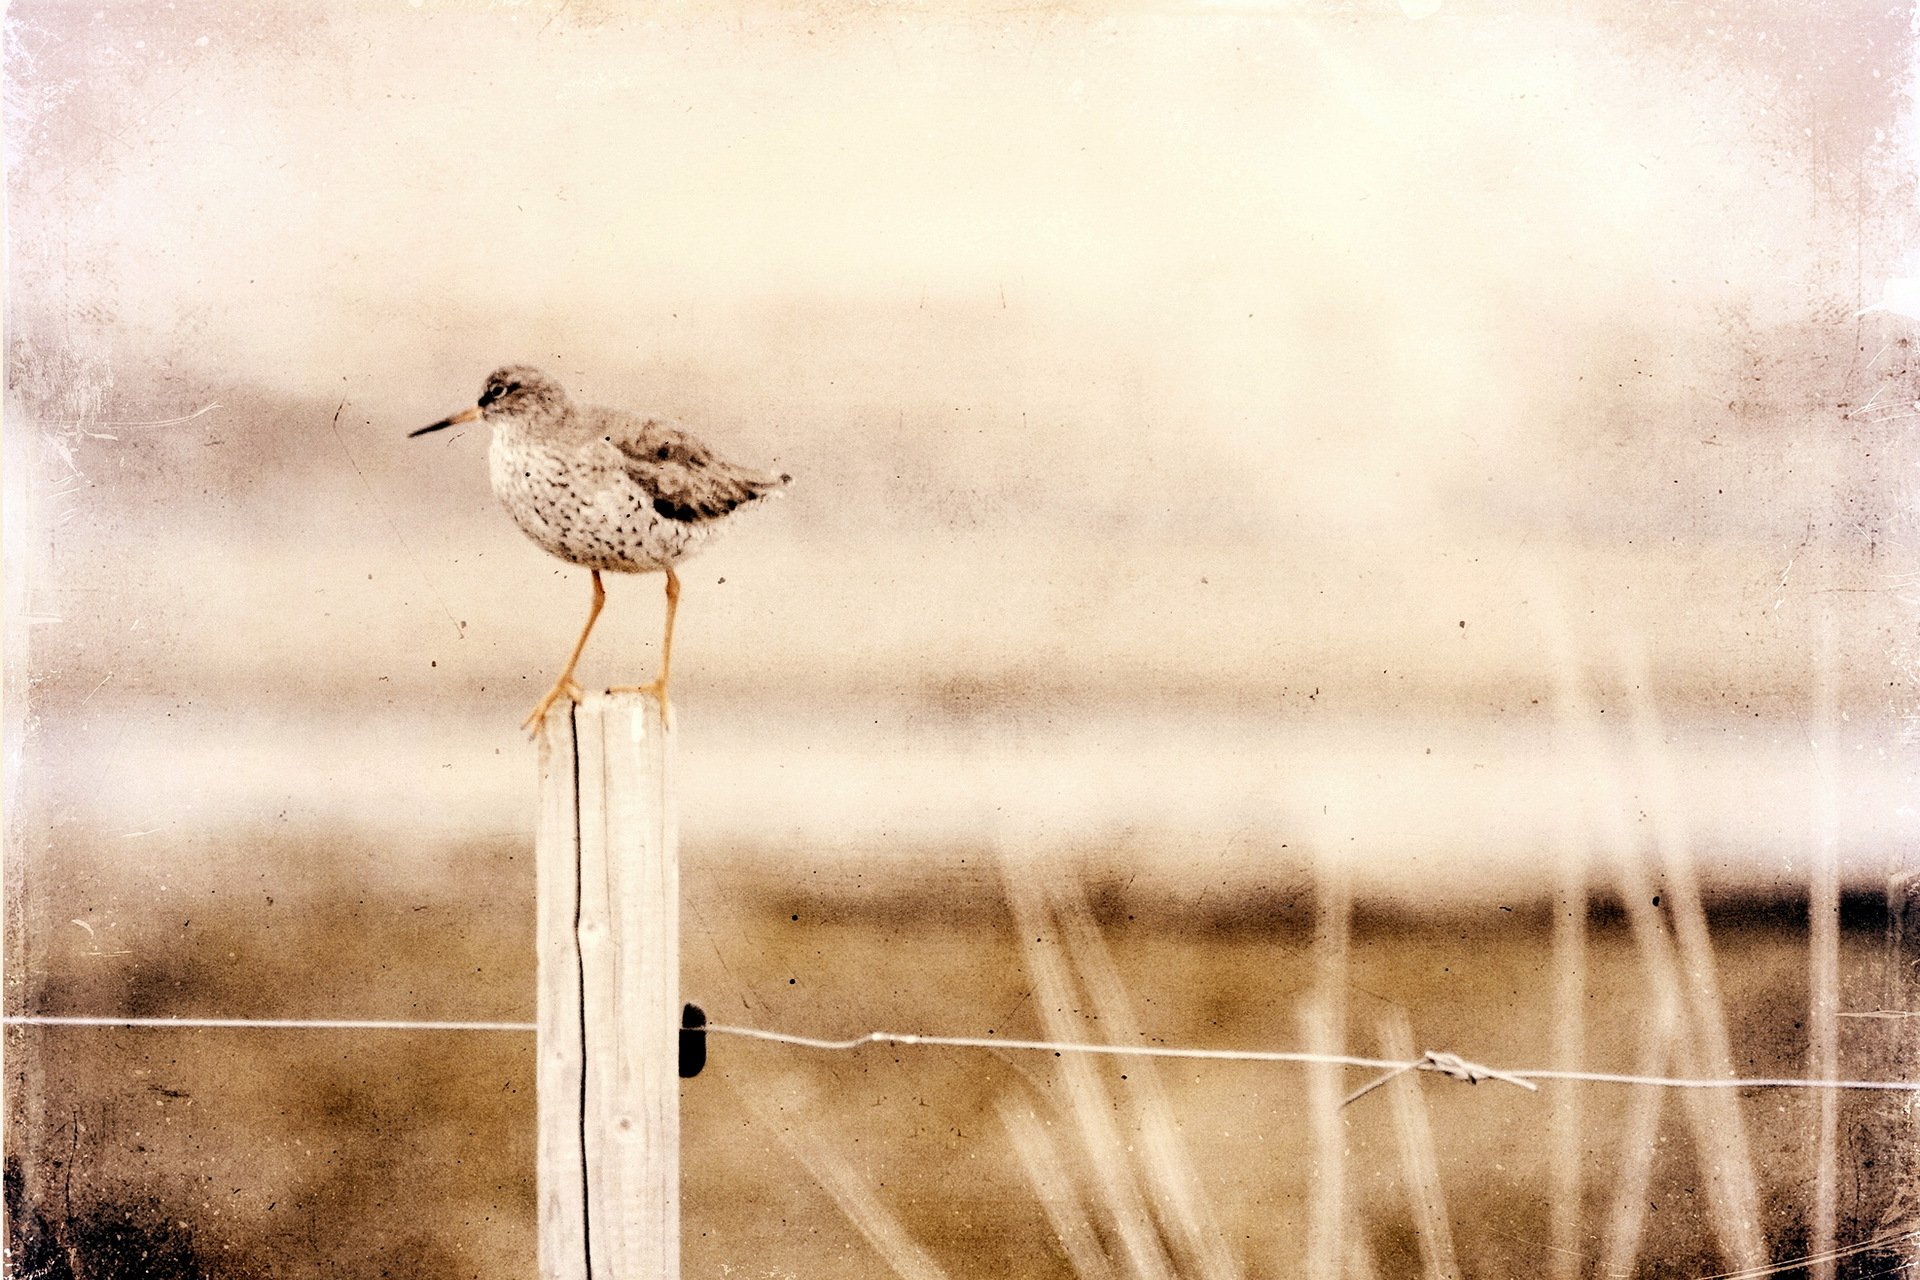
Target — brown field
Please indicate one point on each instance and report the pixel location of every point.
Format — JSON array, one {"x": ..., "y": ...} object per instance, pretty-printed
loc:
[{"x": 156, "y": 1152}]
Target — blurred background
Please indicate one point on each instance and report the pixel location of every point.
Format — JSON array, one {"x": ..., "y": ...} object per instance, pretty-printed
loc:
[{"x": 1235, "y": 445}]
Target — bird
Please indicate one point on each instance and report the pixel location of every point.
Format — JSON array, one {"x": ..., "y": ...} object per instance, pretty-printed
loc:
[{"x": 608, "y": 490}]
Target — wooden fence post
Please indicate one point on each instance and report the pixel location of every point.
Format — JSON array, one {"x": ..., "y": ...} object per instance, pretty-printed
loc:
[{"x": 607, "y": 858}]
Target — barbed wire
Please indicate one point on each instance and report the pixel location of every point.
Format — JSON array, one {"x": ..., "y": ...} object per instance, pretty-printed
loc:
[
  {"x": 1432, "y": 1061},
  {"x": 1447, "y": 1064}
]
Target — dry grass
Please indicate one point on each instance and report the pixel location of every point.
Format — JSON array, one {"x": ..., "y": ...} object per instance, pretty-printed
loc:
[{"x": 290, "y": 1154}]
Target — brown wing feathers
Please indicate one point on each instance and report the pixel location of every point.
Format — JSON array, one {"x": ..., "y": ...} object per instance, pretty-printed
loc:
[{"x": 685, "y": 480}]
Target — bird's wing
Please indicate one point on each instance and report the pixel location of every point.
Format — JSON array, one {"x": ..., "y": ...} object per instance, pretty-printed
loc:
[{"x": 682, "y": 476}]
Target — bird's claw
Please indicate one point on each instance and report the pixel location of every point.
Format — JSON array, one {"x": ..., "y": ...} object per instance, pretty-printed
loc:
[{"x": 565, "y": 687}]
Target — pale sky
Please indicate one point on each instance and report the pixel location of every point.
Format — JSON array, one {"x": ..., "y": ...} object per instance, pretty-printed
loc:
[
  {"x": 1348, "y": 301},
  {"x": 1247, "y": 203}
]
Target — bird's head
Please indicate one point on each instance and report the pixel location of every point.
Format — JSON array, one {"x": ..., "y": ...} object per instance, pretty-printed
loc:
[{"x": 511, "y": 391}]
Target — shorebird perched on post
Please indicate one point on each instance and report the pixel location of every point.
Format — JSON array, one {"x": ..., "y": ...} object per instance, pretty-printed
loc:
[{"x": 605, "y": 489}]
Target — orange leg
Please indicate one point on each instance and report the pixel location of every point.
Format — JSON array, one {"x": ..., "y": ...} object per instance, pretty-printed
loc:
[
  {"x": 659, "y": 687},
  {"x": 564, "y": 687}
]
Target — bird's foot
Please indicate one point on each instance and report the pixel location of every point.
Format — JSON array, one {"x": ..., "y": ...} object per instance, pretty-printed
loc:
[
  {"x": 562, "y": 688},
  {"x": 657, "y": 690}
]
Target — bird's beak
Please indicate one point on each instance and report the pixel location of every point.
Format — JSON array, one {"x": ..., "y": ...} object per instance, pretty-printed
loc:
[{"x": 465, "y": 415}]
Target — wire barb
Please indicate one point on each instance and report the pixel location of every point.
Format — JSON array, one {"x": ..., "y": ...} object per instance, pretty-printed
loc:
[{"x": 1451, "y": 1065}]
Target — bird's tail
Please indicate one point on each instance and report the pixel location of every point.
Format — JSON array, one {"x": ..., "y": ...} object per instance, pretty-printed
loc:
[{"x": 766, "y": 484}]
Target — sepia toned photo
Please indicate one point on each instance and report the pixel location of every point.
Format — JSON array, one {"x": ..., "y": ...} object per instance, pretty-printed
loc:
[{"x": 866, "y": 638}]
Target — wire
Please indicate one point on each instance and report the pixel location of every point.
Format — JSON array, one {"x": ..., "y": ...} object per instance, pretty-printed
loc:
[
  {"x": 1442, "y": 1063},
  {"x": 321, "y": 1024},
  {"x": 1050, "y": 1046},
  {"x": 1447, "y": 1064}
]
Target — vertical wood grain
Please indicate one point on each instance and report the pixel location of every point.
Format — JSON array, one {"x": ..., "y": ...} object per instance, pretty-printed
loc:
[
  {"x": 622, "y": 933},
  {"x": 560, "y": 1156}
]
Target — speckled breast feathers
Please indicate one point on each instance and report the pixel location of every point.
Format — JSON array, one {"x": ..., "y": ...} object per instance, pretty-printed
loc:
[{"x": 614, "y": 491}]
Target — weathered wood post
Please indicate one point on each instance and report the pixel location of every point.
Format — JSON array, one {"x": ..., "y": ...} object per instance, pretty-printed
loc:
[{"x": 608, "y": 873}]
